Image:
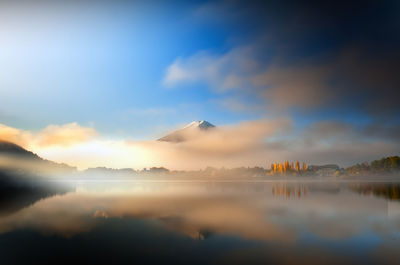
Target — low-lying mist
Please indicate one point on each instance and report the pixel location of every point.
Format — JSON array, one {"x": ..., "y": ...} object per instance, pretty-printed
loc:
[{"x": 247, "y": 144}]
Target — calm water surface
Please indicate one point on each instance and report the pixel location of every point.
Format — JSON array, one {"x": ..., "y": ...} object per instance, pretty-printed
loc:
[{"x": 273, "y": 222}]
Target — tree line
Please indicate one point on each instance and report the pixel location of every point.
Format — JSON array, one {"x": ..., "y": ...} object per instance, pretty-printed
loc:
[{"x": 385, "y": 165}]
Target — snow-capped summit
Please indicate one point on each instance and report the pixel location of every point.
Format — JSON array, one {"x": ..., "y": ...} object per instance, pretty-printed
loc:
[
  {"x": 188, "y": 131},
  {"x": 200, "y": 124}
]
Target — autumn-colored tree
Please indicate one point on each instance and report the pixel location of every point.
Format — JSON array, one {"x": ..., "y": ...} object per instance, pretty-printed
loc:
[
  {"x": 297, "y": 166},
  {"x": 280, "y": 168},
  {"x": 304, "y": 166}
]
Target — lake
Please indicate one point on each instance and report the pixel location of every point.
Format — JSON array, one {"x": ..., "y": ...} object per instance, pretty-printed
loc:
[{"x": 195, "y": 222}]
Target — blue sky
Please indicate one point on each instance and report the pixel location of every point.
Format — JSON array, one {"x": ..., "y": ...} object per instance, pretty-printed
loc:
[
  {"x": 104, "y": 66},
  {"x": 103, "y": 63}
]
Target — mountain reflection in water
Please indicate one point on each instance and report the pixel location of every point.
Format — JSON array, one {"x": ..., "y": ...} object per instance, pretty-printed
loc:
[
  {"x": 206, "y": 223},
  {"x": 16, "y": 194}
]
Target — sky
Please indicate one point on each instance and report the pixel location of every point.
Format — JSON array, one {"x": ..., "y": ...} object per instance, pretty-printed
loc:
[{"x": 94, "y": 83}]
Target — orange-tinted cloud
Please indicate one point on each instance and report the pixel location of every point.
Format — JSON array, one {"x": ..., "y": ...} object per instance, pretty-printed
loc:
[
  {"x": 65, "y": 135},
  {"x": 52, "y": 135},
  {"x": 14, "y": 135},
  {"x": 230, "y": 146}
]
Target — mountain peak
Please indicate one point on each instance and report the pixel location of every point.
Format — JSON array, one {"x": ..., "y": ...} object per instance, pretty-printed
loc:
[
  {"x": 200, "y": 124},
  {"x": 187, "y": 131}
]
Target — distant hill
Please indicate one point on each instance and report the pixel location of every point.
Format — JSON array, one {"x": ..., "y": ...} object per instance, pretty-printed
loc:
[
  {"x": 15, "y": 158},
  {"x": 187, "y": 132},
  {"x": 21, "y": 172},
  {"x": 11, "y": 149}
]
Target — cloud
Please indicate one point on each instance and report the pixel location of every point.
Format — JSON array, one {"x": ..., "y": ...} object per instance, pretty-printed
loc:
[
  {"x": 14, "y": 135},
  {"x": 258, "y": 143},
  {"x": 229, "y": 140},
  {"x": 65, "y": 135},
  {"x": 230, "y": 146},
  {"x": 352, "y": 80},
  {"x": 329, "y": 129},
  {"x": 53, "y": 135},
  {"x": 344, "y": 143},
  {"x": 302, "y": 86},
  {"x": 308, "y": 57},
  {"x": 223, "y": 72}
]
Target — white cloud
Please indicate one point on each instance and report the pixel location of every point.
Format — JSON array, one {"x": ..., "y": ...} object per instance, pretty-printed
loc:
[{"x": 221, "y": 72}]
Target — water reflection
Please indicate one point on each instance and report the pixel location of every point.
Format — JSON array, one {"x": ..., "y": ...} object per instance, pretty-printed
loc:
[
  {"x": 15, "y": 195},
  {"x": 208, "y": 222},
  {"x": 289, "y": 190},
  {"x": 386, "y": 190}
]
